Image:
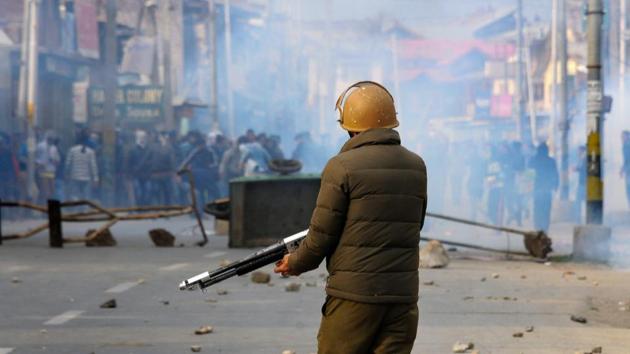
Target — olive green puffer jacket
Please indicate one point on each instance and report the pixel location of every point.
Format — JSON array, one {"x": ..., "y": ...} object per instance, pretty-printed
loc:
[{"x": 367, "y": 221}]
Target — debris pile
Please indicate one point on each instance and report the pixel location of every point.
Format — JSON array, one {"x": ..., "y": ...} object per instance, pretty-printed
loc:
[
  {"x": 162, "y": 238},
  {"x": 260, "y": 277},
  {"x": 463, "y": 347},
  {"x": 433, "y": 255},
  {"x": 292, "y": 287},
  {"x": 204, "y": 330},
  {"x": 109, "y": 304},
  {"x": 102, "y": 239}
]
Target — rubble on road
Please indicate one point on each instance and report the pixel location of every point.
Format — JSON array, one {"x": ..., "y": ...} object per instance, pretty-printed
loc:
[
  {"x": 204, "y": 330},
  {"x": 460, "y": 347},
  {"x": 578, "y": 319},
  {"x": 109, "y": 304},
  {"x": 211, "y": 300},
  {"x": 311, "y": 284},
  {"x": 222, "y": 292},
  {"x": 162, "y": 238},
  {"x": 260, "y": 277},
  {"x": 165, "y": 302},
  {"x": 16, "y": 280},
  {"x": 429, "y": 283},
  {"x": 102, "y": 239},
  {"x": 495, "y": 275},
  {"x": 433, "y": 255},
  {"x": 529, "y": 329},
  {"x": 224, "y": 263},
  {"x": 518, "y": 335},
  {"x": 292, "y": 287},
  {"x": 195, "y": 348},
  {"x": 581, "y": 277},
  {"x": 288, "y": 351}
]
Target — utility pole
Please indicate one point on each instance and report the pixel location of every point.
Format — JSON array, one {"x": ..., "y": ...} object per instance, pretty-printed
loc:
[
  {"x": 595, "y": 94},
  {"x": 554, "y": 77},
  {"x": 521, "y": 119},
  {"x": 622, "y": 56},
  {"x": 563, "y": 118},
  {"x": 31, "y": 93},
  {"x": 21, "y": 104},
  {"x": 108, "y": 174},
  {"x": 212, "y": 61},
  {"x": 164, "y": 51},
  {"x": 228, "y": 64}
]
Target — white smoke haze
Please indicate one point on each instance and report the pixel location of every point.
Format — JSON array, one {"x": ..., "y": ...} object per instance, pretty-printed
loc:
[{"x": 454, "y": 91}]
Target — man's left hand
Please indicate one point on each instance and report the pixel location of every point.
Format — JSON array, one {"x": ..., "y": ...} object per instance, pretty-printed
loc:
[{"x": 282, "y": 267}]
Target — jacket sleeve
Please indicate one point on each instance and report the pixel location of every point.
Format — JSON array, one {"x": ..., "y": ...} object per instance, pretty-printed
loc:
[{"x": 327, "y": 222}]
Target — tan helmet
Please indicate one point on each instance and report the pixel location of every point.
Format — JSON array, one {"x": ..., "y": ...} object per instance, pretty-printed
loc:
[{"x": 366, "y": 105}]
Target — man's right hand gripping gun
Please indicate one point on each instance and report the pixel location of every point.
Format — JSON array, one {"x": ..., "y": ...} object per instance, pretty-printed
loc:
[{"x": 252, "y": 262}]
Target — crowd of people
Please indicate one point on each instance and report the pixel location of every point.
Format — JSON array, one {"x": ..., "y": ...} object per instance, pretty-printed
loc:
[
  {"x": 146, "y": 165},
  {"x": 505, "y": 183}
]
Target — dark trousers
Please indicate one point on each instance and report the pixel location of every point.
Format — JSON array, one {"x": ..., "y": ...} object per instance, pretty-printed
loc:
[
  {"x": 79, "y": 190},
  {"x": 162, "y": 190},
  {"x": 350, "y": 327},
  {"x": 142, "y": 191}
]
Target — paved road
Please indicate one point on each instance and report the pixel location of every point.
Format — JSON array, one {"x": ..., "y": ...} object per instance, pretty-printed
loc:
[{"x": 54, "y": 308}]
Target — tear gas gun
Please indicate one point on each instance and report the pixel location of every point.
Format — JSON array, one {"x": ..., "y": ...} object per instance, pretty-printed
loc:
[{"x": 254, "y": 261}]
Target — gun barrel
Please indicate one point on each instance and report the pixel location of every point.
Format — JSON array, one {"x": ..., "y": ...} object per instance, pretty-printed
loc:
[{"x": 252, "y": 262}]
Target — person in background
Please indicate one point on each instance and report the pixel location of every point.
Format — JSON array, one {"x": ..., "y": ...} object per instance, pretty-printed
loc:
[
  {"x": 231, "y": 162},
  {"x": 96, "y": 143},
  {"x": 545, "y": 183},
  {"x": 625, "y": 169},
  {"x": 495, "y": 182},
  {"x": 254, "y": 159},
  {"x": 272, "y": 145},
  {"x": 182, "y": 150},
  {"x": 19, "y": 145},
  {"x": 60, "y": 190},
  {"x": 9, "y": 169},
  {"x": 515, "y": 165},
  {"x": 47, "y": 160},
  {"x": 204, "y": 166},
  {"x": 162, "y": 156},
  {"x": 81, "y": 169},
  {"x": 250, "y": 135},
  {"x": 138, "y": 168},
  {"x": 306, "y": 151}
]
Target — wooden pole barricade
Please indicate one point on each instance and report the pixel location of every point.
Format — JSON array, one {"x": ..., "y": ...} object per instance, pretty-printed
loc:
[
  {"x": 54, "y": 224},
  {"x": 1, "y": 222},
  {"x": 98, "y": 213}
]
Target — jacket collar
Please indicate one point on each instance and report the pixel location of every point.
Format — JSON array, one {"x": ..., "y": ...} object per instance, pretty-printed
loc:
[{"x": 378, "y": 136}]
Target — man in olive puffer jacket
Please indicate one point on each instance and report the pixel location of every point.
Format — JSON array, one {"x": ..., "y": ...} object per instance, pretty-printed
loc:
[{"x": 366, "y": 224}]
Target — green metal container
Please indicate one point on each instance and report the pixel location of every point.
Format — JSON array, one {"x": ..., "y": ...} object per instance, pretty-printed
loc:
[{"x": 265, "y": 209}]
